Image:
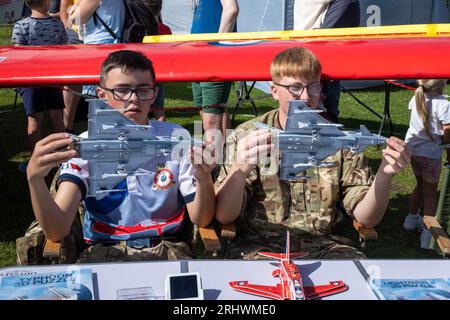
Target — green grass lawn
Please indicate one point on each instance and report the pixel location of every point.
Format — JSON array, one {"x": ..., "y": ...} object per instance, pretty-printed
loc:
[
  {"x": 393, "y": 242},
  {"x": 5, "y": 35}
]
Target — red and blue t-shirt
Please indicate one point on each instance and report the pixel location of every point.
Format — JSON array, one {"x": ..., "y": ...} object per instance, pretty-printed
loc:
[{"x": 152, "y": 201}]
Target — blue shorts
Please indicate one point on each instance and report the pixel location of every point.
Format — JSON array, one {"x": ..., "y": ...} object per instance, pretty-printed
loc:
[{"x": 38, "y": 100}]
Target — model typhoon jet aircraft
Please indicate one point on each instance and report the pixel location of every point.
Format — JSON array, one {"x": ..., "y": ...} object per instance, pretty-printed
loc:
[
  {"x": 116, "y": 146},
  {"x": 308, "y": 139},
  {"x": 290, "y": 286}
]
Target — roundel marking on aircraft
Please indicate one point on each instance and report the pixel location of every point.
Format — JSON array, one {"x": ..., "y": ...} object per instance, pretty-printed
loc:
[{"x": 235, "y": 43}]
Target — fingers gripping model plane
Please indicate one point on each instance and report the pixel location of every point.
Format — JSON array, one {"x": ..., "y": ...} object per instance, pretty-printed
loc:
[
  {"x": 309, "y": 138},
  {"x": 116, "y": 146},
  {"x": 290, "y": 286}
]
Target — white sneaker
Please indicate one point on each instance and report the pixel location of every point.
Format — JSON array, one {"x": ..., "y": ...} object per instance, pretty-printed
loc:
[
  {"x": 425, "y": 239},
  {"x": 413, "y": 221}
]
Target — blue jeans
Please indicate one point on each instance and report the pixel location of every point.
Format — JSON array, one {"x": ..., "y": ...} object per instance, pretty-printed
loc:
[{"x": 331, "y": 91}]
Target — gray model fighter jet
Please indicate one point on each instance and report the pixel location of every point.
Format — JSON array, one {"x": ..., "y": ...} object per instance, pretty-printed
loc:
[
  {"x": 116, "y": 146},
  {"x": 308, "y": 139}
]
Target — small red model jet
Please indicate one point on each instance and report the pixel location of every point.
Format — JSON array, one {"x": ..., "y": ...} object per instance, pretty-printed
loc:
[{"x": 290, "y": 286}]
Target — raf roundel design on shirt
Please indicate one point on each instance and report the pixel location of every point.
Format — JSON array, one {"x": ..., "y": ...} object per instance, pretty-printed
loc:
[
  {"x": 163, "y": 179},
  {"x": 70, "y": 165}
]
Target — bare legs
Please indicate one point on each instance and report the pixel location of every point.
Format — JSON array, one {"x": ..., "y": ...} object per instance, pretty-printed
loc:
[
  {"x": 35, "y": 121},
  {"x": 426, "y": 192},
  {"x": 71, "y": 103},
  {"x": 216, "y": 121}
]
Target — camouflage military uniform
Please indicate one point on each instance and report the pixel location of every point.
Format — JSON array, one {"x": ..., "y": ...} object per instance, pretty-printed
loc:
[
  {"x": 309, "y": 209},
  {"x": 166, "y": 247},
  {"x": 164, "y": 250},
  {"x": 30, "y": 247}
]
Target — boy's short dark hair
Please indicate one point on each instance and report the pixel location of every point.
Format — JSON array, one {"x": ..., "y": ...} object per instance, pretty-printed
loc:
[
  {"x": 155, "y": 6},
  {"x": 127, "y": 61},
  {"x": 34, "y": 3}
]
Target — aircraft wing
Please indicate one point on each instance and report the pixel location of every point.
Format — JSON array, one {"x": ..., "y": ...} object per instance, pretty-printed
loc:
[
  {"x": 333, "y": 287},
  {"x": 229, "y": 61},
  {"x": 271, "y": 292},
  {"x": 280, "y": 256}
]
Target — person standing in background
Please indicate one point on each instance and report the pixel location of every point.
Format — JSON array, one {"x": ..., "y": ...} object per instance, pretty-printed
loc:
[
  {"x": 66, "y": 8},
  {"x": 211, "y": 16},
  {"x": 316, "y": 14},
  {"x": 155, "y": 7},
  {"x": 88, "y": 15},
  {"x": 26, "y": 11},
  {"x": 326, "y": 14},
  {"x": 340, "y": 14},
  {"x": 71, "y": 99},
  {"x": 309, "y": 14},
  {"x": 429, "y": 128},
  {"x": 37, "y": 30}
]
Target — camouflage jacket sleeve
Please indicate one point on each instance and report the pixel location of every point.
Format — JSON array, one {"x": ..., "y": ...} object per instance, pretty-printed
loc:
[
  {"x": 229, "y": 158},
  {"x": 355, "y": 181}
]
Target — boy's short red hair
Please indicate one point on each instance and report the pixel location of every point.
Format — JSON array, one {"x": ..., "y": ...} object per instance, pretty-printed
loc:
[{"x": 297, "y": 62}]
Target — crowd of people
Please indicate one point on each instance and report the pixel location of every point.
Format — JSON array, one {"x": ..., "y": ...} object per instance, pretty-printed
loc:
[{"x": 125, "y": 225}]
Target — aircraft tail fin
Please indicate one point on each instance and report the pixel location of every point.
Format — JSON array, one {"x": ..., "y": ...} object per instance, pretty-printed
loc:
[
  {"x": 281, "y": 256},
  {"x": 364, "y": 131},
  {"x": 287, "y": 255},
  {"x": 278, "y": 256},
  {"x": 288, "y": 245}
]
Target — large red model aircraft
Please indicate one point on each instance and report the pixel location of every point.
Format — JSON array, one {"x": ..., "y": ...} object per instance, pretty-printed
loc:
[
  {"x": 290, "y": 286},
  {"x": 391, "y": 58}
]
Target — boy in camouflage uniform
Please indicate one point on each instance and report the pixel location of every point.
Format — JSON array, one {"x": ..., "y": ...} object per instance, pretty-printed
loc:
[
  {"x": 264, "y": 207},
  {"x": 143, "y": 220}
]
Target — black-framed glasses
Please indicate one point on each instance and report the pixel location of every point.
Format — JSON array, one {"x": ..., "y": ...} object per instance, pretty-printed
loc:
[
  {"x": 297, "y": 89},
  {"x": 124, "y": 94}
]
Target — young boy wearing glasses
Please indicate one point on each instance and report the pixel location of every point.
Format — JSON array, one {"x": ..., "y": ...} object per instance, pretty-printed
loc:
[
  {"x": 144, "y": 221},
  {"x": 264, "y": 206}
]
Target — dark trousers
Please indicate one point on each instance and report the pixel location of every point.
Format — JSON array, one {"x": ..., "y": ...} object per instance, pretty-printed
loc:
[{"x": 331, "y": 92}]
